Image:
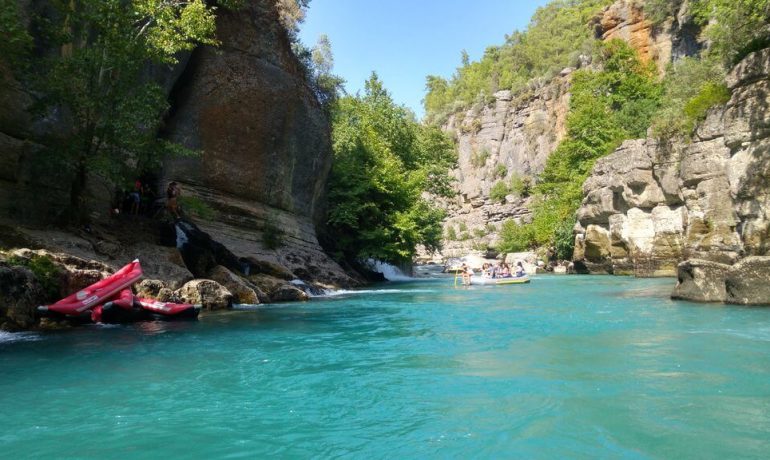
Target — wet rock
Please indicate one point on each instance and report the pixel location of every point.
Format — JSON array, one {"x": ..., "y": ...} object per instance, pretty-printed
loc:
[
  {"x": 243, "y": 291},
  {"x": 149, "y": 288},
  {"x": 20, "y": 294},
  {"x": 210, "y": 294},
  {"x": 288, "y": 293}
]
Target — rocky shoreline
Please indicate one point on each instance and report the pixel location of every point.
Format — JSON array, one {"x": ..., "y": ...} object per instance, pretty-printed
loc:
[{"x": 40, "y": 266}]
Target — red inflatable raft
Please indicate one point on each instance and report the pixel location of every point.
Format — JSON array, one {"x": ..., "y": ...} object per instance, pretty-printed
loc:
[
  {"x": 127, "y": 308},
  {"x": 168, "y": 310},
  {"x": 97, "y": 293}
]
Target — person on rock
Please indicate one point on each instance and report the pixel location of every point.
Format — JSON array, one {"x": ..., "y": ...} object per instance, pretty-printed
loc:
[{"x": 172, "y": 196}]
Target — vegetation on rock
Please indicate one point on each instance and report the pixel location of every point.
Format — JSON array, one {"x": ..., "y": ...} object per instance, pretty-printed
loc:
[
  {"x": 607, "y": 107},
  {"x": 94, "y": 82},
  {"x": 498, "y": 192},
  {"x": 557, "y": 35},
  {"x": 46, "y": 272}
]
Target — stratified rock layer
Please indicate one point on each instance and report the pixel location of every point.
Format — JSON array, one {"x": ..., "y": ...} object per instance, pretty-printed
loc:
[
  {"x": 650, "y": 206},
  {"x": 264, "y": 141}
]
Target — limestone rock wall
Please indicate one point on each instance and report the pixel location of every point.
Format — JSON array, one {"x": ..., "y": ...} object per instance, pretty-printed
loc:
[
  {"x": 519, "y": 132},
  {"x": 246, "y": 105},
  {"x": 650, "y": 206},
  {"x": 265, "y": 144},
  {"x": 513, "y": 136}
]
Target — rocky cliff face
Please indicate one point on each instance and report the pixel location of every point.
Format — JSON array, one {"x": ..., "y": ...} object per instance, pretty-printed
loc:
[
  {"x": 265, "y": 147},
  {"x": 510, "y": 138},
  {"x": 669, "y": 41},
  {"x": 515, "y": 134},
  {"x": 650, "y": 206},
  {"x": 265, "y": 143}
]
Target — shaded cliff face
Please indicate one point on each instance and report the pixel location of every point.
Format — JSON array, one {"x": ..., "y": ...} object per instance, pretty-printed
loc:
[
  {"x": 247, "y": 107},
  {"x": 650, "y": 206},
  {"x": 264, "y": 141}
]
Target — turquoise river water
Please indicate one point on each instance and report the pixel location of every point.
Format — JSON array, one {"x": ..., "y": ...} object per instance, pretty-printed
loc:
[{"x": 565, "y": 367}]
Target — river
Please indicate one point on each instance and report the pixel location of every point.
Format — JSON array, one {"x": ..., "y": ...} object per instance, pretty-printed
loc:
[{"x": 577, "y": 367}]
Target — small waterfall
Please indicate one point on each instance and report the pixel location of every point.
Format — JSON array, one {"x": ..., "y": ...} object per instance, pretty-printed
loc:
[
  {"x": 181, "y": 236},
  {"x": 390, "y": 272},
  {"x": 310, "y": 290}
]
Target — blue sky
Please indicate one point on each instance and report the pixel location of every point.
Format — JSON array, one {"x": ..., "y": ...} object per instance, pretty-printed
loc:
[{"x": 406, "y": 40}]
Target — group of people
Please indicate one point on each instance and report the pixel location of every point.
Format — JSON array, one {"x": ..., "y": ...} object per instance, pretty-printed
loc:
[
  {"x": 501, "y": 270},
  {"x": 141, "y": 199}
]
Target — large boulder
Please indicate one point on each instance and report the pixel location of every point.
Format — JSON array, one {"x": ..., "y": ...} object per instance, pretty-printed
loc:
[
  {"x": 277, "y": 289},
  {"x": 288, "y": 293},
  {"x": 748, "y": 281},
  {"x": 157, "y": 290},
  {"x": 20, "y": 294},
  {"x": 701, "y": 281},
  {"x": 243, "y": 291},
  {"x": 75, "y": 273},
  {"x": 210, "y": 294}
]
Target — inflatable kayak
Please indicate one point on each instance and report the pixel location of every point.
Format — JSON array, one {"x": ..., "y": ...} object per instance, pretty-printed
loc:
[
  {"x": 127, "y": 308},
  {"x": 480, "y": 280},
  {"x": 168, "y": 310},
  {"x": 97, "y": 293}
]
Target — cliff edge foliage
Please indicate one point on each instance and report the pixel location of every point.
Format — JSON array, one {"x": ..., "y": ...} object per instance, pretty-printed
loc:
[{"x": 557, "y": 35}]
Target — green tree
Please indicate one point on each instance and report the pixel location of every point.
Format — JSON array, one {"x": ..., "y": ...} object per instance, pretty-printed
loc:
[
  {"x": 735, "y": 27},
  {"x": 15, "y": 41},
  {"x": 384, "y": 161},
  {"x": 96, "y": 81},
  {"x": 499, "y": 191}
]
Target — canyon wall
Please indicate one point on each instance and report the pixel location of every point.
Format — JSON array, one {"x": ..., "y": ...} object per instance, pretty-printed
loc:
[
  {"x": 265, "y": 144},
  {"x": 515, "y": 134},
  {"x": 694, "y": 208}
]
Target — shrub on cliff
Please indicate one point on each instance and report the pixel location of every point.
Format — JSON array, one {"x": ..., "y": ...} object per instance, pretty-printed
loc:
[
  {"x": 498, "y": 192},
  {"x": 691, "y": 87},
  {"x": 384, "y": 162}
]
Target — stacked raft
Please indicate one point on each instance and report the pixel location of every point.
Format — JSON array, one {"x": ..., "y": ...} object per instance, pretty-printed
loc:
[{"x": 112, "y": 301}]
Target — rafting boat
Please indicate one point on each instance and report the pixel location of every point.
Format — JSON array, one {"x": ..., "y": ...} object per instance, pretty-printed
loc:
[
  {"x": 483, "y": 280},
  {"x": 168, "y": 310},
  {"x": 80, "y": 302},
  {"x": 127, "y": 308}
]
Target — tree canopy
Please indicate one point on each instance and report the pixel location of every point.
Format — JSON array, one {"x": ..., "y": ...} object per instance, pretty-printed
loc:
[
  {"x": 384, "y": 163},
  {"x": 92, "y": 78}
]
